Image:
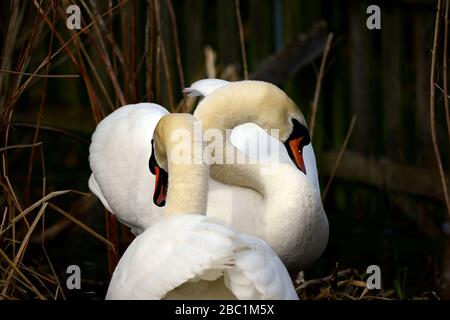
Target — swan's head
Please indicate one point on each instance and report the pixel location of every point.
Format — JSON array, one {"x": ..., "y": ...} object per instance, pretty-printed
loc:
[
  {"x": 162, "y": 142},
  {"x": 158, "y": 165},
  {"x": 262, "y": 103},
  {"x": 174, "y": 162}
]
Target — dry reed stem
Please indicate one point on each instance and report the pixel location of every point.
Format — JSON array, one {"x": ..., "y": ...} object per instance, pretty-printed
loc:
[
  {"x": 241, "y": 38},
  {"x": 21, "y": 146},
  {"x": 30, "y": 284},
  {"x": 442, "y": 90},
  {"x": 167, "y": 76},
  {"x": 339, "y": 158},
  {"x": 37, "y": 204},
  {"x": 63, "y": 76},
  {"x": 18, "y": 281},
  {"x": 52, "y": 268},
  {"x": 96, "y": 75},
  {"x": 45, "y": 128},
  {"x": 432, "y": 110},
  {"x": 83, "y": 226},
  {"x": 315, "y": 102},
  {"x": 5, "y": 212},
  {"x": 133, "y": 48},
  {"x": 47, "y": 60},
  {"x": 109, "y": 34},
  {"x": 210, "y": 62},
  {"x": 445, "y": 70},
  {"x": 176, "y": 42},
  {"x": 103, "y": 52},
  {"x": 93, "y": 99},
  {"x": 19, "y": 255},
  {"x": 157, "y": 11},
  {"x": 14, "y": 197},
  {"x": 149, "y": 49},
  {"x": 80, "y": 66},
  {"x": 40, "y": 112}
]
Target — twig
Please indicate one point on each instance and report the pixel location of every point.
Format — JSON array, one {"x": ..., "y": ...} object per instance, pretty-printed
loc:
[
  {"x": 103, "y": 52},
  {"x": 241, "y": 38},
  {"x": 167, "y": 74},
  {"x": 444, "y": 69},
  {"x": 210, "y": 62},
  {"x": 82, "y": 226},
  {"x": 80, "y": 45},
  {"x": 41, "y": 75},
  {"x": 149, "y": 49},
  {"x": 308, "y": 283},
  {"x": 133, "y": 47},
  {"x": 37, "y": 204},
  {"x": 48, "y": 59},
  {"x": 79, "y": 64},
  {"x": 157, "y": 11},
  {"x": 442, "y": 90},
  {"x": 432, "y": 110},
  {"x": 51, "y": 129},
  {"x": 315, "y": 101},
  {"x": 32, "y": 287},
  {"x": 176, "y": 42},
  {"x": 79, "y": 209},
  {"x": 109, "y": 34},
  {"x": 339, "y": 158},
  {"x": 40, "y": 113},
  {"x": 23, "y": 247},
  {"x": 20, "y": 146}
]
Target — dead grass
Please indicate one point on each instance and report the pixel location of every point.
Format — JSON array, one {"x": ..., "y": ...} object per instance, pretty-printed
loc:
[{"x": 106, "y": 58}]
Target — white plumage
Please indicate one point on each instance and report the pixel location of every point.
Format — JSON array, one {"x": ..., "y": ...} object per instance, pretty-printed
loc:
[
  {"x": 196, "y": 257},
  {"x": 204, "y": 87},
  {"x": 289, "y": 216},
  {"x": 118, "y": 157}
]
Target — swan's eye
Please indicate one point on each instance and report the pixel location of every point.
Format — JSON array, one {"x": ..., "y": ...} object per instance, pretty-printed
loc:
[{"x": 295, "y": 143}]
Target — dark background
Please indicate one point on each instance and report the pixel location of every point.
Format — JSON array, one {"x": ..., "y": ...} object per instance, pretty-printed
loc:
[{"x": 385, "y": 203}]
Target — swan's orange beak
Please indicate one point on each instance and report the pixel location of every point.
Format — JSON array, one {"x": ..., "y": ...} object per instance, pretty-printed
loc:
[
  {"x": 298, "y": 138},
  {"x": 295, "y": 147},
  {"x": 161, "y": 184},
  {"x": 161, "y": 181}
]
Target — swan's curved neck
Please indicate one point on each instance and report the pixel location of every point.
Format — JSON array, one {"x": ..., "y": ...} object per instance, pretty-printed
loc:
[
  {"x": 242, "y": 102},
  {"x": 177, "y": 150},
  {"x": 248, "y": 101}
]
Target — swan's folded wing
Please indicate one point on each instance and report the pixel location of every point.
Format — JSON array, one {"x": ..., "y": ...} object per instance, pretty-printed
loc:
[
  {"x": 258, "y": 273},
  {"x": 176, "y": 250},
  {"x": 118, "y": 157},
  {"x": 94, "y": 187}
]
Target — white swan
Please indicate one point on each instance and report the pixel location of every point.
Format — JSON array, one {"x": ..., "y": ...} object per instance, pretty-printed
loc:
[
  {"x": 119, "y": 159},
  {"x": 188, "y": 256},
  {"x": 283, "y": 209}
]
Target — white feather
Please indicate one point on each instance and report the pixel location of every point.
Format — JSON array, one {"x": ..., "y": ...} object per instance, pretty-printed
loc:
[
  {"x": 118, "y": 157},
  {"x": 121, "y": 179},
  {"x": 193, "y": 256},
  {"x": 204, "y": 87}
]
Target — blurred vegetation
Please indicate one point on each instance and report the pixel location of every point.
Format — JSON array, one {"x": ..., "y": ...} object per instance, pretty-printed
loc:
[{"x": 385, "y": 203}]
